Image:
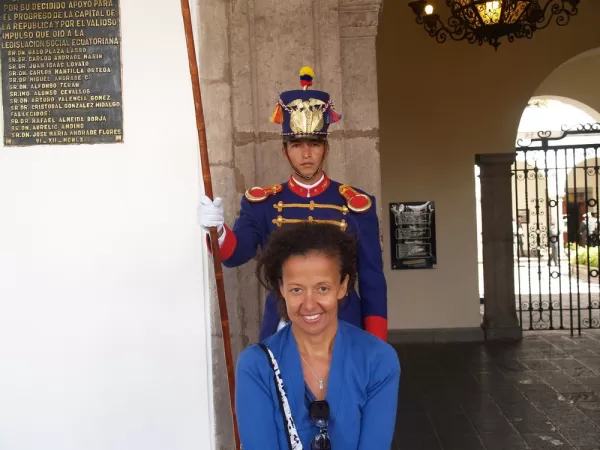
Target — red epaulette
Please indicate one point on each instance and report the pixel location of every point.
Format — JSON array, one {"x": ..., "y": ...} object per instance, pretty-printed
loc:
[
  {"x": 356, "y": 201},
  {"x": 260, "y": 194}
]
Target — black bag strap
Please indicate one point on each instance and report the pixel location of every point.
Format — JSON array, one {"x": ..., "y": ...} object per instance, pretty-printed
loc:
[{"x": 293, "y": 439}]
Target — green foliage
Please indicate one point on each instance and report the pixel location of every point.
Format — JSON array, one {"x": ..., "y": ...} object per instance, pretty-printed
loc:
[{"x": 581, "y": 255}]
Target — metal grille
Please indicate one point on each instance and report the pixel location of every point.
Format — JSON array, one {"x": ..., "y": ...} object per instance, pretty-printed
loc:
[{"x": 555, "y": 229}]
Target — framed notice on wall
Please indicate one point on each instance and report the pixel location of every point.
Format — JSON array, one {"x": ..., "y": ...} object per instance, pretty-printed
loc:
[{"x": 412, "y": 235}]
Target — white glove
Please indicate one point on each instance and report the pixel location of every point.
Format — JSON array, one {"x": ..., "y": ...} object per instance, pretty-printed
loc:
[{"x": 210, "y": 213}]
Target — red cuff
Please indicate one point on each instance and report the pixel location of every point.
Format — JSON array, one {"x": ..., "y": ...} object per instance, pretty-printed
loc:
[
  {"x": 377, "y": 326},
  {"x": 229, "y": 244}
]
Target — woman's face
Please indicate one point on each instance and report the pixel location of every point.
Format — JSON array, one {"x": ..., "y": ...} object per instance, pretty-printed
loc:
[{"x": 312, "y": 287}]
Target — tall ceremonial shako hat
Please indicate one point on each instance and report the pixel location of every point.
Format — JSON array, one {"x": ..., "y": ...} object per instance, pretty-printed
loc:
[{"x": 304, "y": 113}]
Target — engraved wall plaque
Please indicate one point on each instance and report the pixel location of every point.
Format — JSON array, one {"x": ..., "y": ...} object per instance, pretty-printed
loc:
[
  {"x": 412, "y": 235},
  {"x": 61, "y": 72}
]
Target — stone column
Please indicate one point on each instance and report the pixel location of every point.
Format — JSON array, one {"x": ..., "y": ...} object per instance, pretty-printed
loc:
[
  {"x": 232, "y": 168},
  {"x": 250, "y": 51},
  {"x": 358, "y": 31},
  {"x": 500, "y": 317}
]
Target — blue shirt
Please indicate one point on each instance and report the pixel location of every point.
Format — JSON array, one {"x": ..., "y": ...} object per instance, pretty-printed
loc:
[{"x": 362, "y": 392}]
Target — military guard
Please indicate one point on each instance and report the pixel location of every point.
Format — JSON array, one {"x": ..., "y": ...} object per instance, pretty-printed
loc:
[{"x": 308, "y": 196}]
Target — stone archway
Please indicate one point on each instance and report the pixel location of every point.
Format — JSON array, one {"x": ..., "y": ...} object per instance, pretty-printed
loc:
[
  {"x": 249, "y": 51},
  {"x": 500, "y": 320}
]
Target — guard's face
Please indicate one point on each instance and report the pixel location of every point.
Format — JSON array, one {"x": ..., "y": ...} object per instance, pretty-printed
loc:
[
  {"x": 306, "y": 155},
  {"x": 312, "y": 288}
]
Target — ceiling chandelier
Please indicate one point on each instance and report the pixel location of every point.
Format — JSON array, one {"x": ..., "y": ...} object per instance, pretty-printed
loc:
[{"x": 479, "y": 21}]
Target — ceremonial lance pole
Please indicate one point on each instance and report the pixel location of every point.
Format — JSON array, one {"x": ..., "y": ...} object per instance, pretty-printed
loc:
[{"x": 214, "y": 240}]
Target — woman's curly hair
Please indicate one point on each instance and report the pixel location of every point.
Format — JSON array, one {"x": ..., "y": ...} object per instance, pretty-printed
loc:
[{"x": 302, "y": 239}]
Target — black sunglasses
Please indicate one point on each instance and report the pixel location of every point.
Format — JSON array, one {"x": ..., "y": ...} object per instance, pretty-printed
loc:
[{"x": 319, "y": 415}]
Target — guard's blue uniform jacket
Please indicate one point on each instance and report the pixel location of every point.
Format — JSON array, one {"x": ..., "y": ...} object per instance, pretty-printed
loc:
[{"x": 264, "y": 209}]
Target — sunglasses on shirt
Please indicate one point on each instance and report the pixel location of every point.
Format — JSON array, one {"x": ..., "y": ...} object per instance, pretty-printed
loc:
[{"x": 319, "y": 415}]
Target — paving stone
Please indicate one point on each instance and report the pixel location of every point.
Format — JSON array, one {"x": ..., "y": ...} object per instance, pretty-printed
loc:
[{"x": 542, "y": 393}]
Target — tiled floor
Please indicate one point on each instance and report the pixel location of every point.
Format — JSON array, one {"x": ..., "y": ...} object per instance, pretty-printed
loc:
[{"x": 542, "y": 393}]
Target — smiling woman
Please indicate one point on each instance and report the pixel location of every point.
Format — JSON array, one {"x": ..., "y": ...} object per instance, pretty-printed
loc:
[
  {"x": 325, "y": 383},
  {"x": 319, "y": 263}
]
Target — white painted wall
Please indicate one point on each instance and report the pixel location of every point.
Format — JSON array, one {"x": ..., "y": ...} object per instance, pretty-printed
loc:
[{"x": 103, "y": 316}]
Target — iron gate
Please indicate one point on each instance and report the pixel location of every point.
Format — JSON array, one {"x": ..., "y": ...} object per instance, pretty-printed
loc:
[{"x": 555, "y": 229}]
